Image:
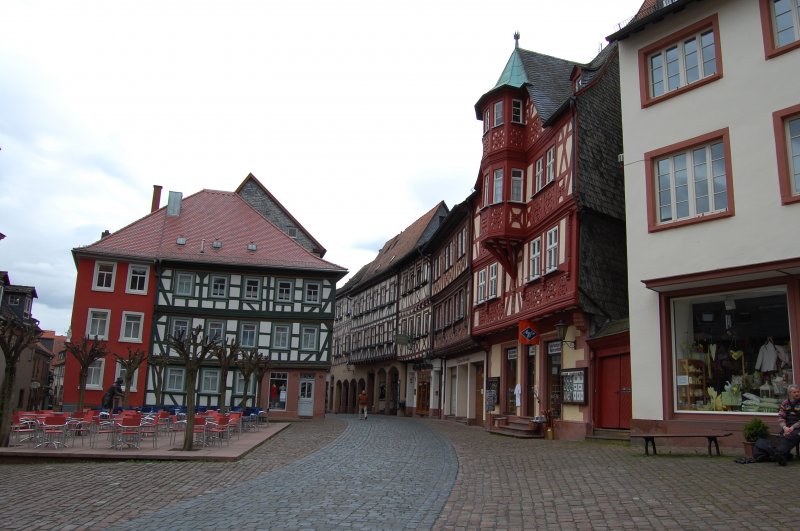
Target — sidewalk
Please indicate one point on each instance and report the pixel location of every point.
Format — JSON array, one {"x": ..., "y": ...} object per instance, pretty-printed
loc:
[{"x": 238, "y": 448}]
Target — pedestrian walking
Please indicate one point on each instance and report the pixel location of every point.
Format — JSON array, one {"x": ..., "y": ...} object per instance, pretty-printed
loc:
[{"x": 362, "y": 405}]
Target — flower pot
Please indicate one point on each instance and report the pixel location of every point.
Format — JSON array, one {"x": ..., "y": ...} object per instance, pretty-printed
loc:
[{"x": 748, "y": 448}]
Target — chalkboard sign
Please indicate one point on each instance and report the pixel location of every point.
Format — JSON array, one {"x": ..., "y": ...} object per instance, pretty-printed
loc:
[
  {"x": 573, "y": 386},
  {"x": 492, "y": 388}
]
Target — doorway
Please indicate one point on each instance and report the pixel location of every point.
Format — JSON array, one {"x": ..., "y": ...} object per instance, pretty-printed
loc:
[
  {"x": 305, "y": 404},
  {"x": 532, "y": 396},
  {"x": 478, "y": 393},
  {"x": 614, "y": 408}
]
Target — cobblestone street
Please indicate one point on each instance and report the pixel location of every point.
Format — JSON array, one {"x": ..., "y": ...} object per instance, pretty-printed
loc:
[{"x": 403, "y": 473}]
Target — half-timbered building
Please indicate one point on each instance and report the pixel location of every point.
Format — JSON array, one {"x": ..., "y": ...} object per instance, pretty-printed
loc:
[
  {"x": 549, "y": 238},
  {"x": 215, "y": 262},
  {"x": 382, "y": 342}
]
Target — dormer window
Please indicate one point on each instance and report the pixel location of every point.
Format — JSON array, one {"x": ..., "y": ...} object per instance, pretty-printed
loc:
[
  {"x": 292, "y": 232},
  {"x": 181, "y": 240},
  {"x": 13, "y": 300},
  {"x": 216, "y": 244},
  {"x": 251, "y": 246},
  {"x": 498, "y": 113},
  {"x": 578, "y": 83}
]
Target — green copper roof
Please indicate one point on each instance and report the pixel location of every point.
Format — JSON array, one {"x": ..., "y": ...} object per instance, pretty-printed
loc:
[{"x": 514, "y": 73}]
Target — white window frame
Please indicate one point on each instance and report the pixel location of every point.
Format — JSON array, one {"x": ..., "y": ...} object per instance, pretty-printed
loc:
[
  {"x": 535, "y": 259},
  {"x": 216, "y": 324},
  {"x": 213, "y": 287},
  {"x": 309, "y": 338},
  {"x": 89, "y": 323},
  {"x": 143, "y": 279},
  {"x": 238, "y": 388},
  {"x": 794, "y": 14},
  {"x": 174, "y": 379},
  {"x": 551, "y": 260},
  {"x": 280, "y": 337},
  {"x": 481, "y": 285},
  {"x": 793, "y": 153},
  {"x": 497, "y": 186},
  {"x": 486, "y": 190},
  {"x": 123, "y": 329},
  {"x": 209, "y": 381},
  {"x": 94, "y": 378},
  {"x": 492, "y": 281},
  {"x": 517, "y": 181},
  {"x": 462, "y": 242},
  {"x": 247, "y": 291},
  {"x": 308, "y": 295},
  {"x": 539, "y": 173},
  {"x": 280, "y": 284},
  {"x": 120, "y": 373},
  {"x": 685, "y": 179},
  {"x": 517, "y": 112},
  {"x": 551, "y": 162},
  {"x": 486, "y": 120},
  {"x": 108, "y": 277},
  {"x": 248, "y": 328},
  {"x": 668, "y": 72},
  {"x": 498, "y": 113},
  {"x": 180, "y": 278},
  {"x": 173, "y": 326}
]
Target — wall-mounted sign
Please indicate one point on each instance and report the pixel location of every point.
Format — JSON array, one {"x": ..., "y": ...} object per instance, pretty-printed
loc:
[
  {"x": 492, "y": 388},
  {"x": 573, "y": 386}
]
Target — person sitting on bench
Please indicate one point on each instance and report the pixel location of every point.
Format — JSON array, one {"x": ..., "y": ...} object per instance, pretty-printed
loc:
[{"x": 789, "y": 421}]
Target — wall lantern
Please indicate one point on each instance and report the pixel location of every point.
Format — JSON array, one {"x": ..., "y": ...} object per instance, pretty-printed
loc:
[{"x": 561, "y": 333}]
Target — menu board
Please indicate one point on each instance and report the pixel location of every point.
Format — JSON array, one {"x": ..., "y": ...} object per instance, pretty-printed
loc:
[
  {"x": 492, "y": 388},
  {"x": 573, "y": 386}
]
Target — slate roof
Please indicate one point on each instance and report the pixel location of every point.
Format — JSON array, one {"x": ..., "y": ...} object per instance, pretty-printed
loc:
[
  {"x": 398, "y": 248},
  {"x": 651, "y": 12},
  {"x": 204, "y": 217}
]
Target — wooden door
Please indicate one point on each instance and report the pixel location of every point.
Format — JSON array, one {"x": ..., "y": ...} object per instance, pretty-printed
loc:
[
  {"x": 423, "y": 398},
  {"x": 614, "y": 392},
  {"x": 480, "y": 406},
  {"x": 531, "y": 381}
]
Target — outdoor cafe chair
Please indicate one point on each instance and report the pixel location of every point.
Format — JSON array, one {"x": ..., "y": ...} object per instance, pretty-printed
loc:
[
  {"x": 219, "y": 429},
  {"x": 52, "y": 431},
  {"x": 23, "y": 429},
  {"x": 129, "y": 431}
]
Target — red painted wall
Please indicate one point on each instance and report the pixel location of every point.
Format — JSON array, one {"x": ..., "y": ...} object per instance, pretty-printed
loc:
[{"x": 117, "y": 301}]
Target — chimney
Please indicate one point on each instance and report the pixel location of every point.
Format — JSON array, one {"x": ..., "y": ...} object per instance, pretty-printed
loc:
[
  {"x": 174, "y": 204},
  {"x": 156, "y": 198},
  {"x": 105, "y": 234}
]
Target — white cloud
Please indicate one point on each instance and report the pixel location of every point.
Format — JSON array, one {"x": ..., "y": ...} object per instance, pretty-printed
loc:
[{"x": 358, "y": 115}]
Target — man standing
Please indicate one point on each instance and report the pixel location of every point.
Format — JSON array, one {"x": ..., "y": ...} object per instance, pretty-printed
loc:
[
  {"x": 362, "y": 405},
  {"x": 789, "y": 421}
]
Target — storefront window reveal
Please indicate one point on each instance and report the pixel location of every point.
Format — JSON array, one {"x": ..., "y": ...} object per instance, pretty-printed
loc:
[
  {"x": 732, "y": 351},
  {"x": 277, "y": 390}
]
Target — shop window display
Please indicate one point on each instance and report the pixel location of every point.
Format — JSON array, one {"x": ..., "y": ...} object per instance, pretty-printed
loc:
[
  {"x": 277, "y": 390},
  {"x": 732, "y": 351}
]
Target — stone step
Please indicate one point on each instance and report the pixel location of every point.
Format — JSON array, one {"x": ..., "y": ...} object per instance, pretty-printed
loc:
[{"x": 606, "y": 434}]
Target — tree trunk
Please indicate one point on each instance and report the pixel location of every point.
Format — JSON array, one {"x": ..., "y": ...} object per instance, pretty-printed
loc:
[
  {"x": 188, "y": 436},
  {"x": 84, "y": 373},
  {"x": 10, "y": 375}
]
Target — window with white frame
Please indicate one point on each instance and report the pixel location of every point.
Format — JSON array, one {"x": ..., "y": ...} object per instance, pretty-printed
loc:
[
  {"x": 551, "y": 164},
  {"x": 239, "y": 388},
  {"x": 215, "y": 330},
  {"x": 448, "y": 256},
  {"x": 486, "y": 120},
  {"x": 691, "y": 183},
  {"x": 786, "y": 124},
  {"x": 184, "y": 284},
  {"x": 219, "y": 286},
  {"x": 309, "y": 338},
  {"x": 104, "y": 273},
  {"x": 436, "y": 267},
  {"x": 180, "y": 329},
  {"x": 284, "y": 291},
  {"x": 460, "y": 304},
  {"x": 280, "y": 337},
  {"x": 252, "y": 288},
  {"x": 248, "y": 335},
  {"x": 539, "y": 173},
  {"x": 516, "y": 111},
  {"x": 97, "y": 325},
  {"x": 493, "y": 280},
  {"x": 94, "y": 377},
  {"x": 131, "y": 327},
  {"x": 209, "y": 382},
  {"x": 462, "y": 242},
  {"x": 121, "y": 371},
  {"x": 516, "y": 185},
  {"x": 174, "y": 379},
  {"x": 481, "y": 285},
  {"x": 781, "y": 25},
  {"x": 312, "y": 292},
  {"x": 498, "y": 113},
  {"x": 497, "y": 188},
  {"x": 551, "y": 260},
  {"x": 137, "y": 279},
  {"x": 486, "y": 190},
  {"x": 535, "y": 259}
]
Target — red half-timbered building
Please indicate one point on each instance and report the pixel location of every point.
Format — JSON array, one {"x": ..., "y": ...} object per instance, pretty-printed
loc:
[{"x": 549, "y": 244}]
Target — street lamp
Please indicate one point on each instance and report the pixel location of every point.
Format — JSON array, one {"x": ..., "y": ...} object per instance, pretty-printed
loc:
[{"x": 561, "y": 333}]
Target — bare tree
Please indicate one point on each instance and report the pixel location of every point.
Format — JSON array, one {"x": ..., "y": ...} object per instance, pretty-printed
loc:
[
  {"x": 248, "y": 364},
  {"x": 86, "y": 351},
  {"x": 16, "y": 336},
  {"x": 159, "y": 364},
  {"x": 226, "y": 353},
  {"x": 193, "y": 351},
  {"x": 130, "y": 363}
]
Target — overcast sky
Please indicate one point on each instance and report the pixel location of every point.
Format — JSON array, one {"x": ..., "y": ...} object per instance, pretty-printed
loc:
[{"x": 357, "y": 115}]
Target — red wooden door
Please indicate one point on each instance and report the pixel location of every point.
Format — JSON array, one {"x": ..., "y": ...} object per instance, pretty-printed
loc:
[{"x": 614, "y": 392}]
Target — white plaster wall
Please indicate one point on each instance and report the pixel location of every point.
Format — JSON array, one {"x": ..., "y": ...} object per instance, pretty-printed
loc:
[{"x": 743, "y": 100}]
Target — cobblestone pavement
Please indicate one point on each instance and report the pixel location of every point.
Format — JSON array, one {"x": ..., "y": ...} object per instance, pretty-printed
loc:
[{"x": 402, "y": 473}]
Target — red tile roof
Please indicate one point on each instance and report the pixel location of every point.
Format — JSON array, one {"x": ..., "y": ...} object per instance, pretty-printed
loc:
[{"x": 204, "y": 217}]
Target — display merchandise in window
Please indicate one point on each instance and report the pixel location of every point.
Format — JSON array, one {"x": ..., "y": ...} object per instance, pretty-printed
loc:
[
  {"x": 277, "y": 390},
  {"x": 732, "y": 351}
]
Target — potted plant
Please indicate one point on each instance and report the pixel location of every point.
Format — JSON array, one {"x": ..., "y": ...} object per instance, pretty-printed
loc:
[{"x": 753, "y": 430}]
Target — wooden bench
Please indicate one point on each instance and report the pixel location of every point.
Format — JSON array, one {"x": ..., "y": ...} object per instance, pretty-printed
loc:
[{"x": 650, "y": 439}]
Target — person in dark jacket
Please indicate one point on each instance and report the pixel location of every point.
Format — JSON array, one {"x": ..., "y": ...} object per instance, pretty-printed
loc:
[
  {"x": 113, "y": 392},
  {"x": 789, "y": 422}
]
